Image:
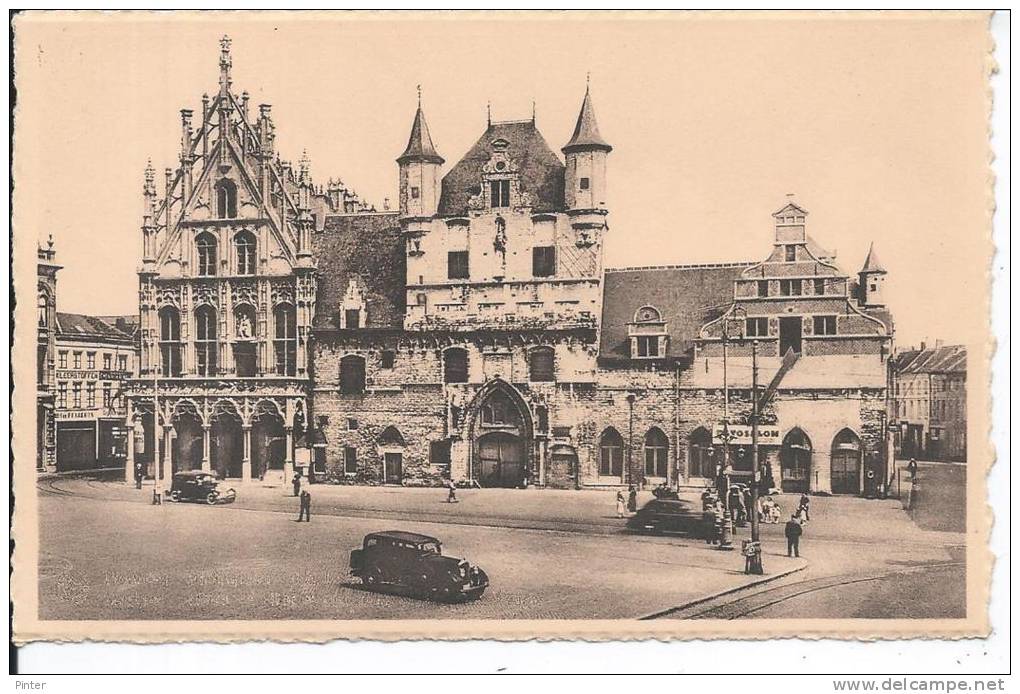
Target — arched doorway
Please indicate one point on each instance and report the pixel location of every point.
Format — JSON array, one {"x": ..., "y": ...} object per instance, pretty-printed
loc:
[
  {"x": 795, "y": 462},
  {"x": 187, "y": 444},
  {"x": 700, "y": 454},
  {"x": 391, "y": 449},
  {"x": 268, "y": 444},
  {"x": 502, "y": 432},
  {"x": 226, "y": 445},
  {"x": 846, "y": 463}
]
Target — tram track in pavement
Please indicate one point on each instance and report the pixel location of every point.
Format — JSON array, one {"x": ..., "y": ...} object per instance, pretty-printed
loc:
[{"x": 747, "y": 601}]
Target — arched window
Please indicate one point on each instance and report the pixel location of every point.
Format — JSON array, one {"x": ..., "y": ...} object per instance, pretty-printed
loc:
[
  {"x": 352, "y": 375},
  {"x": 455, "y": 365},
  {"x": 43, "y": 310},
  {"x": 205, "y": 244},
  {"x": 170, "y": 341},
  {"x": 700, "y": 452},
  {"x": 656, "y": 453},
  {"x": 226, "y": 199},
  {"x": 205, "y": 340},
  {"x": 285, "y": 319},
  {"x": 611, "y": 454},
  {"x": 244, "y": 245},
  {"x": 541, "y": 362}
]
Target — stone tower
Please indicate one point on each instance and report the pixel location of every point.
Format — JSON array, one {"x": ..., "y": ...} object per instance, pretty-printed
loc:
[
  {"x": 585, "y": 175},
  {"x": 872, "y": 280}
]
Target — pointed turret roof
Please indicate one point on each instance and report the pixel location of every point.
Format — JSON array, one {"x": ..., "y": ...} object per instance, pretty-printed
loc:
[
  {"x": 419, "y": 145},
  {"x": 872, "y": 263},
  {"x": 586, "y": 133}
]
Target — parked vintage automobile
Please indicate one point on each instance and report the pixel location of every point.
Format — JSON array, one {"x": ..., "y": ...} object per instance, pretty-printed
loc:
[
  {"x": 668, "y": 516},
  {"x": 197, "y": 485},
  {"x": 415, "y": 563}
]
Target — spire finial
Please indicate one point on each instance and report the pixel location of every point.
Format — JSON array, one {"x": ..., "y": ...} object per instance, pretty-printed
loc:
[
  {"x": 533, "y": 108},
  {"x": 488, "y": 113},
  {"x": 587, "y": 81},
  {"x": 225, "y": 63},
  {"x": 419, "y": 96}
]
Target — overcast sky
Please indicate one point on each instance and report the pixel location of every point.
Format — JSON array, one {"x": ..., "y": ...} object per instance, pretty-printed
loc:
[{"x": 878, "y": 127}]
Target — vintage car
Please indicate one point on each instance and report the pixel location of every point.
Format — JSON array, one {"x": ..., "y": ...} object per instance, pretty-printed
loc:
[
  {"x": 668, "y": 516},
  {"x": 197, "y": 485},
  {"x": 415, "y": 563}
]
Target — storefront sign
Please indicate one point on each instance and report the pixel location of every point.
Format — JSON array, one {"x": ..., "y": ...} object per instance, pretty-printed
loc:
[
  {"x": 740, "y": 435},
  {"x": 77, "y": 414},
  {"x": 90, "y": 375}
]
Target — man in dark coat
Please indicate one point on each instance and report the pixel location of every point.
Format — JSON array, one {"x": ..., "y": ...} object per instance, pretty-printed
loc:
[
  {"x": 793, "y": 532},
  {"x": 632, "y": 499},
  {"x": 297, "y": 484},
  {"x": 139, "y": 474},
  {"x": 306, "y": 506}
]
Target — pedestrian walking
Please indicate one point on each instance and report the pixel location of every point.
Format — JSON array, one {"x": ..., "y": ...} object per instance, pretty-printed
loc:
[
  {"x": 305, "y": 512},
  {"x": 912, "y": 469},
  {"x": 632, "y": 499},
  {"x": 803, "y": 510},
  {"x": 451, "y": 497},
  {"x": 138, "y": 475},
  {"x": 793, "y": 532},
  {"x": 621, "y": 504},
  {"x": 297, "y": 483}
]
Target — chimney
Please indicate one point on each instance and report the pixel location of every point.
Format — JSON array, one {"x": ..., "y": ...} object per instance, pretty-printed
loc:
[{"x": 923, "y": 346}]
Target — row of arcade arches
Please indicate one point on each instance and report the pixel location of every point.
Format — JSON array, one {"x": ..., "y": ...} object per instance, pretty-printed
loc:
[{"x": 795, "y": 460}]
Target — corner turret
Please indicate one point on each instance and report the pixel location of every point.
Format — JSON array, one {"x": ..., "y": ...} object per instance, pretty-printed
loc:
[{"x": 872, "y": 280}]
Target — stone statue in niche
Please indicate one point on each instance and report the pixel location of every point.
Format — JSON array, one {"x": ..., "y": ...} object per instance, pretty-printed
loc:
[
  {"x": 245, "y": 330},
  {"x": 499, "y": 240}
]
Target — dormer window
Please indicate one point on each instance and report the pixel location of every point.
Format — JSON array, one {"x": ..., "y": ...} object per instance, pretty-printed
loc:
[
  {"x": 585, "y": 183},
  {"x": 791, "y": 254},
  {"x": 647, "y": 334},
  {"x": 415, "y": 192},
  {"x": 499, "y": 193}
]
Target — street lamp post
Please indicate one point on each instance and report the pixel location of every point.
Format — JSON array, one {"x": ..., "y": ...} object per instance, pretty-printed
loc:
[
  {"x": 726, "y": 532},
  {"x": 754, "y": 555}
]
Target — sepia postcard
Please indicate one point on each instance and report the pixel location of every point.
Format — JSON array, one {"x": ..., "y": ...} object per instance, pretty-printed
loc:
[{"x": 397, "y": 325}]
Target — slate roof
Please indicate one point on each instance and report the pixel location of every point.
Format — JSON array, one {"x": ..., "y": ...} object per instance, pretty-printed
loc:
[
  {"x": 80, "y": 326},
  {"x": 687, "y": 296},
  {"x": 367, "y": 247},
  {"x": 872, "y": 263},
  {"x": 586, "y": 131},
  {"x": 541, "y": 171},
  {"x": 126, "y": 324},
  {"x": 419, "y": 144},
  {"x": 932, "y": 360}
]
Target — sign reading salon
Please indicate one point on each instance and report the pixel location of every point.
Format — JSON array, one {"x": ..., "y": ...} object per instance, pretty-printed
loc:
[{"x": 740, "y": 435}]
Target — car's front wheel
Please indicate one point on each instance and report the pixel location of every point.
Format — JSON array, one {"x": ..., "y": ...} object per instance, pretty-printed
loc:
[
  {"x": 211, "y": 497},
  {"x": 175, "y": 496}
]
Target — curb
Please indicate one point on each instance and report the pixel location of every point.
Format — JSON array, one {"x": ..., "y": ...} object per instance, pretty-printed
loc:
[{"x": 723, "y": 593}]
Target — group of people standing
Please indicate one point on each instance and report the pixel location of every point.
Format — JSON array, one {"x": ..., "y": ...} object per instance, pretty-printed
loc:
[{"x": 626, "y": 504}]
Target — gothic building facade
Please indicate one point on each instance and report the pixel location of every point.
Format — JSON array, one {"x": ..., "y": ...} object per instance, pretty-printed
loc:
[{"x": 474, "y": 332}]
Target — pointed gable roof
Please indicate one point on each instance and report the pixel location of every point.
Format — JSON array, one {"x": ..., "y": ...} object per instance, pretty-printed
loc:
[
  {"x": 419, "y": 144},
  {"x": 541, "y": 172},
  {"x": 790, "y": 207},
  {"x": 586, "y": 131},
  {"x": 872, "y": 263}
]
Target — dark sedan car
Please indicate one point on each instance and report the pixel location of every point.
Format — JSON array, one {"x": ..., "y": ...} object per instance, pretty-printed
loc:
[
  {"x": 197, "y": 485},
  {"x": 415, "y": 563},
  {"x": 669, "y": 516}
]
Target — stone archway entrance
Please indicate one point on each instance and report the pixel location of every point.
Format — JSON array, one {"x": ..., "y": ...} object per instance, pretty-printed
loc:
[
  {"x": 187, "y": 443},
  {"x": 226, "y": 451},
  {"x": 846, "y": 463},
  {"x": 795, "y": 462},
  {"x": 268, "y": 445},
  {"x": 502, "y": 437}
]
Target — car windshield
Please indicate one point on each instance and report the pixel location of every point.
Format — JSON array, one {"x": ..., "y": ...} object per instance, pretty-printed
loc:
[{"x": 430, "y": 547}]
